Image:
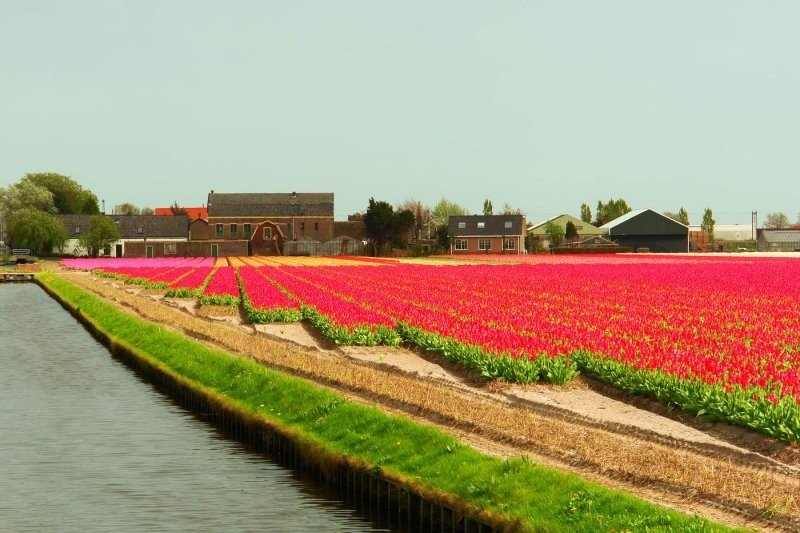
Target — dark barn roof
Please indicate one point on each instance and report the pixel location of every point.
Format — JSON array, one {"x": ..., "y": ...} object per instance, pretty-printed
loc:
[
  {"x": 645, "y": 222},
  {"x": 270, "y": 204},
  {"x": 493, "y": 225},
  {"x": 153, "y": 226}
]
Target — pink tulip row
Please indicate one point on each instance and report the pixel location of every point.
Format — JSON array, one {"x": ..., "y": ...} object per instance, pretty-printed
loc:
[
  {"x": 262, "y": 293},
  {"x": 341, "y": 311},
  {"x": 124, "y": 262}
]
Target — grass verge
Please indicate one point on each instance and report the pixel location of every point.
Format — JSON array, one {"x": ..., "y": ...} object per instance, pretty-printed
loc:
[{"x": 512, "y": 494}]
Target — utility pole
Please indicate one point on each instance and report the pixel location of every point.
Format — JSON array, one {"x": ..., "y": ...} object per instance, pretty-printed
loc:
[{"x": 754, "y": 221}]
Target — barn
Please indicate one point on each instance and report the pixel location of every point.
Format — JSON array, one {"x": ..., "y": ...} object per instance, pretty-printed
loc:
[{"x": 648, "y": 230}]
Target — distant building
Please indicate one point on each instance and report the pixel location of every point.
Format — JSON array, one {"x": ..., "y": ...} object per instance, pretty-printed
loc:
[
  {"x": 266, "y": 223},
  {"x": 646, "y": 229},
  {"x": 499, "y": 234},
  {"x": 584, "y": 229},
  {"x": 141, "y": 235},
  {"x": 722, "y": 233},
  {"x": 778, "y": 240}
]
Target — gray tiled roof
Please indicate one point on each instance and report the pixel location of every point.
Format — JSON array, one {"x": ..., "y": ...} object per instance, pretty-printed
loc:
[
  {"x": 492, "y": 225},
  {"x": 270, "y": 204},
  {"x": 153, "y": 226}
]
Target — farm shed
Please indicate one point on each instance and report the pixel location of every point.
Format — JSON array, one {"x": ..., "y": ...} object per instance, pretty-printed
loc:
[
  {"x": 779, "y": 240},
  {"x": 650, "y": 230}
]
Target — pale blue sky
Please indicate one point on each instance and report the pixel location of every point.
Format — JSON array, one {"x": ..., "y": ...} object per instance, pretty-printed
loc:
[{"x": 544, "y": 105}]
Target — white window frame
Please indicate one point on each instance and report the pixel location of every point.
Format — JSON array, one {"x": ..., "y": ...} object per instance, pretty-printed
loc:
[
  {"x": 509, "y": 243},
  {"x": 509, "y": 224},
  {"x": 484, "y": 245},
  {"x": 461, "y": 245},
  {"x": 481, "y": 225},
  {"x": 170, "y": 248},
  {"x": 462, "y": 225},
  {"x": 77, "y": 230}
]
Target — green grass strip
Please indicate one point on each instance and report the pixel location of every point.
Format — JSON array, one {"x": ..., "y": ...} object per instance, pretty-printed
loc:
[{"x": 515, "y": 494}]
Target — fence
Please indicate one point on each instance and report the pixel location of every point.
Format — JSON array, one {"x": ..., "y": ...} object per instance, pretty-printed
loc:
[{"x": 334, "y": 247}]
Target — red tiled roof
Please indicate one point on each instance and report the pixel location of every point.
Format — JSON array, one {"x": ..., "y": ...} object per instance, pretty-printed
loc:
[{"x": 193, "y": 212}]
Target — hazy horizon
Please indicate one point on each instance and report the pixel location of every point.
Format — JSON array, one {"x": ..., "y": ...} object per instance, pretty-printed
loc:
[{"x": 543, "y": 106}]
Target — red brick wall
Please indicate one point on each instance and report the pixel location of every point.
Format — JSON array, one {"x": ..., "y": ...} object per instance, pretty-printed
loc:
[
  {"x": 497, "y": 246},
  {"x": 199, "y": 230},
  {"x": 304, "y": 226},
  {"x": 139, "y": 248}
]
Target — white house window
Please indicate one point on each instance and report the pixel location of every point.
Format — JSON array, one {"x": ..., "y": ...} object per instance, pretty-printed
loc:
[
  {"x": 509, "y": 224},
  {"x": 170, "y": 248},
  {"x": 462, "y": 225},
  {"x": 77, "y": 230},
  {"x": 510, "y": 244},
  {"x": 481, "y": 225},
  {"x": 461, "y": 244},
  {"x": 139, "y": 230},
  {"x": 484, "y": 244}
]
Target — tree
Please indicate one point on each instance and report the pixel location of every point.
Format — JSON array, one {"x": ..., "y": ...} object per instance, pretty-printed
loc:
[
  {"x": 554, "y": 232},
  {"x": 176, "y": 209},
  {"x": 487, "y": 207},
  {"x": 707, "y": 224},
  {"x": 384, "y": 225},
  {"x": 102, "y": 232},
  {"x": 508, "y": 210},
  {"x": 586, "y": 213},
  {"x": 422, "y": 217},
  {"x": 777, "y": 221},
  {"x": 443, "y": 237},
  {"x": 683, "y": 216},
  {"x": 37, "y": 230},
  {"x": 403, "y": 223},
  {"x": 570, "y": 231},
  {"x": 445, "y": 209},
  {"x": 25, "y": 195},
  {"x": 606, "y": 212},
  {"x": 126, "y": 208},
  {"x": 69, "y": 197},
  {"x": 147, "y": 211}
]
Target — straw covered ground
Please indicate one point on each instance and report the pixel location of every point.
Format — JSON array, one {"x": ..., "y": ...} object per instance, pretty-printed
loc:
[{"x": 754, "y": 484}]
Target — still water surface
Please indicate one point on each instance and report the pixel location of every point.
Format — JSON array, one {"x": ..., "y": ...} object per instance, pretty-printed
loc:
[{"x": 86, "y": 446}]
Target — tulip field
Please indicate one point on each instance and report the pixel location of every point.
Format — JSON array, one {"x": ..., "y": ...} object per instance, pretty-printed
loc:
[{"x": 715, "y": 336}]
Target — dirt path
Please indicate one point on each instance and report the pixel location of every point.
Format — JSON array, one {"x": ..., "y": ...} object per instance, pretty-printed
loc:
[{"x": 727, "y": 474}]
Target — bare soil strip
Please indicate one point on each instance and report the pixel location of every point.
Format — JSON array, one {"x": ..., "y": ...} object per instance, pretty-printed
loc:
[{"x": 728, "y": 474}]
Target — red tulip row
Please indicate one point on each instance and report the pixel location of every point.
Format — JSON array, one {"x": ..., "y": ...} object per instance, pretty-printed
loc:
[
  {"x": 728, "y": 323},
  {"x": 263, "y": 300},
  {"x": 223, "y": 289}
]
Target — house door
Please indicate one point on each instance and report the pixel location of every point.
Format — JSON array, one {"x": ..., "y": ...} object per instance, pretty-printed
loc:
[
  {"x": 118, "y": 251},
  {"x": 214, "y": 250},
  {"x": 149, "y": 252}
]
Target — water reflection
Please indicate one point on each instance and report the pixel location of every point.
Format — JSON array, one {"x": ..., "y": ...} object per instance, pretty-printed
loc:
[{"x": 85, "y": 445}]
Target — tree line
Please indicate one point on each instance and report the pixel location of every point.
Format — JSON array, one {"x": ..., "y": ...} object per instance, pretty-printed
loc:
[{"x": 28, "y": 209}]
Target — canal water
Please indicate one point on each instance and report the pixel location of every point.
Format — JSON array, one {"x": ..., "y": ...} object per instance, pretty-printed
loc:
[{"x": 87, "y": 446}]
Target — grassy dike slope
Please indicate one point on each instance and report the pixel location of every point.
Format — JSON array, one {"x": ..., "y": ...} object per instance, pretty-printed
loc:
[{"x": 512, "y": 494}]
